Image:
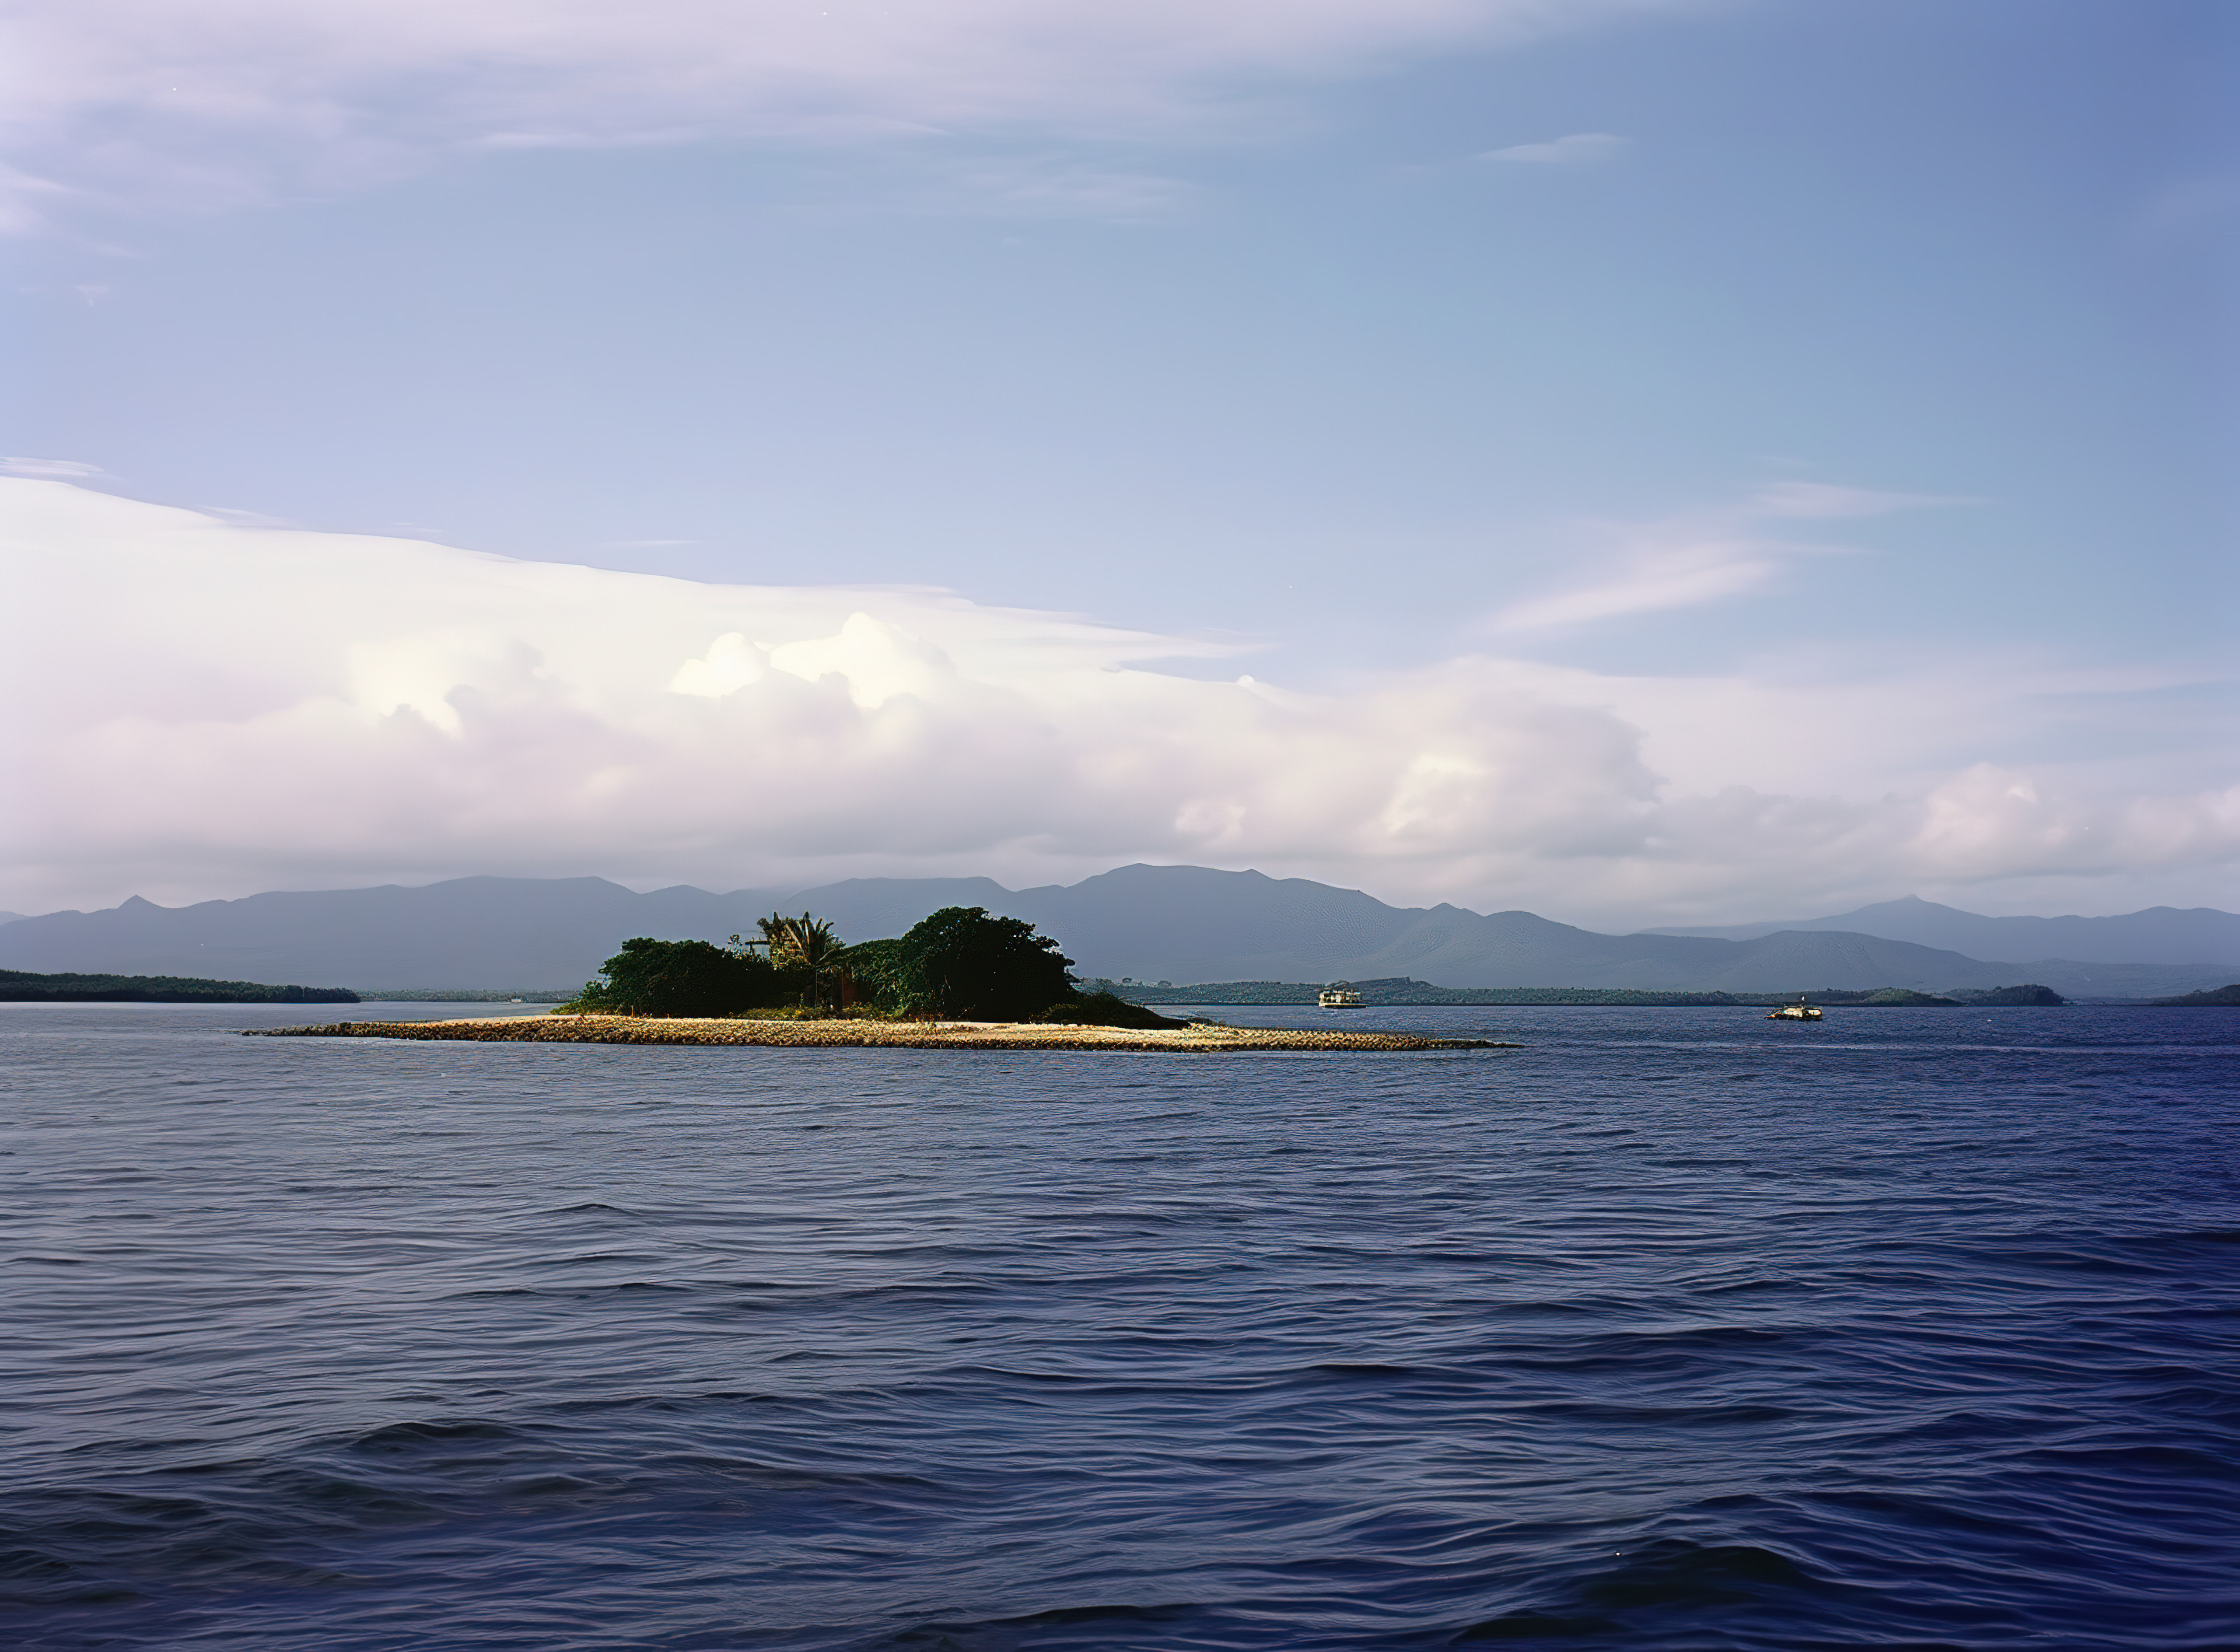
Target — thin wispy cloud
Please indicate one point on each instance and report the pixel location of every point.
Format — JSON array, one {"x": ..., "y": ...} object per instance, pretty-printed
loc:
[
  {"x": 1576, "y": 148},
  {"x": 1830, "y": 501},
  {"x": 1689, "y": 560},
  {"x": 231, "y": 101},
  {"x": 949, "y": 179},
  {"x": 1652, "y": 577},
  {"x": 55, "y": 470}
]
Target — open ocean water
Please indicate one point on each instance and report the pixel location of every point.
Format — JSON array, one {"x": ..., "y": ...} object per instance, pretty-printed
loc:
[{"x": 1673, "y": 1328}]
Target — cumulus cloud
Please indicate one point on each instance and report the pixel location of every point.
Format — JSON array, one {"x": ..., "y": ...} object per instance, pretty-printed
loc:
[
  {"x": 225, "y": 101},
  {"x": 225, "y": 709}
]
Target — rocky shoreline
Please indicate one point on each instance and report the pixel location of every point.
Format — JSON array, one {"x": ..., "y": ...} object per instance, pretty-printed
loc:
[{"x": 900, "y": 1035}]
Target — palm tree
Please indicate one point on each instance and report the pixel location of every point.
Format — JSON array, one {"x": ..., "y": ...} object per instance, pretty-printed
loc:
[{"x": 808, "y": 941}]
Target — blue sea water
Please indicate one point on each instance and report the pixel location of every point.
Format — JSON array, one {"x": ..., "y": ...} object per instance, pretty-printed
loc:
[{"x": 1671, "y": 1328}]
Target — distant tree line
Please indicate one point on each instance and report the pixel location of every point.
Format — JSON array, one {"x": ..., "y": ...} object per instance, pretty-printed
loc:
[
  {"x": 17, "y": 986},
  {"x": 961, "y": 963}
]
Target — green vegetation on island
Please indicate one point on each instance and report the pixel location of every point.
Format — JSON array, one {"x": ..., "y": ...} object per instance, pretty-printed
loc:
[
  {"x": 18, "y": 986},
  {"x": 651, "y": 978},
  {"x": 2008, "y": 997},
  {"x": 959, "y": 964},
  {"x": 2213, "y": 998}
]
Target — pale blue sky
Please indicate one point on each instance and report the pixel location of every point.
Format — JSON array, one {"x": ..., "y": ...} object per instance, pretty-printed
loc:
[{"x": 1775, "y": 341}]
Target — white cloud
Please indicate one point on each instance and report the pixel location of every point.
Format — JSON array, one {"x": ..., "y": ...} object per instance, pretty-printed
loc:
[
  {"x": 1656, "y": 573},
  {"x": 1696, "y": 557},
  {"x": 59, "y": 470},
  {"x": 1054, "y": 187},
  {"x": 223, "y": 710},
  {"x": 1828, "y": 502},
  {"x": 23, "y": 198},
  {"x": 225, "y": 101},
  {"x": 1577, "y": 149}
]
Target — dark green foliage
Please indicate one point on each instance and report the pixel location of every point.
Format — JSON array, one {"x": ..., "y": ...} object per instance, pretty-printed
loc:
[
  {"x": 1905, "y": 997},
  {"x": 962, "y": 962},
  {"x": 2032, "y": 994},
  {"x": 2214, "y": 998},
  {"x": 875, "y": 968},
  {"x": 18, "y": 986},
  {"x": 649, "y": 977},
  {"x": 804, "y": 949},
  {"x": 1106, "y": 1009}
]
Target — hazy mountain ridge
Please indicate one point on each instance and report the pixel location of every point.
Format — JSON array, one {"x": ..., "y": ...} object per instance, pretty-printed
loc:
[
  {"x": 1182, "y": 923},
  {"x": 2160, "y": 935}
]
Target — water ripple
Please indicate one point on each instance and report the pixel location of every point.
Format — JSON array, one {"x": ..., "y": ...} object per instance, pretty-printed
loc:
[{"x": 1671, "y": 1329}]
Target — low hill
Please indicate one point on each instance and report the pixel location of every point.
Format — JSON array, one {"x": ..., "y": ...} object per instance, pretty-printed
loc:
[
  {"x": 2215, "y": 998},
  {"x": 2029, "y": 995}
]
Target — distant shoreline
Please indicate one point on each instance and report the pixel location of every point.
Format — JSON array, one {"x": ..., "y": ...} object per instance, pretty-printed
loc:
[
  {"x": 874, "y": 1034},
  {"x": 1401, "y": 992},
  {"x": 21, "y": 986}
]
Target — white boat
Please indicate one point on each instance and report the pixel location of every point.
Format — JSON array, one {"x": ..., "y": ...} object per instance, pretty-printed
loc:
[
  {"x": 1340, "y": 996},
  {"x": 1798, "y": 1012}
]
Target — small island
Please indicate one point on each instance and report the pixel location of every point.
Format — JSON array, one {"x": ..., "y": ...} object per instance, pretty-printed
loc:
[
  {"x": 961, "y": 979},
  {"x": 2211, "y": 998},
  {"x": 861, "y": 1033}
]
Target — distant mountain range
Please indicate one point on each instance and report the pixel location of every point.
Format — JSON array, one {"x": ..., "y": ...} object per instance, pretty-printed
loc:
[
  {"x": 1178, "y": 924},
  {"x": 2159, "y": 935}
]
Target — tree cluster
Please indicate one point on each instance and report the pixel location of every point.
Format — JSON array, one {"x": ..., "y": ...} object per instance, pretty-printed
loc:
[
  {"x": 959, "y": 964},
  {"x": 964, "y": 964},
  {"x": 651, "y": 978}
]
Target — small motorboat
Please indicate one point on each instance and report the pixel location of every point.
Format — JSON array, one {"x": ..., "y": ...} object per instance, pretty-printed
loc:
[
  {"x": 1798, "y": 1012},
  {"x": 1337, "y": 997}
]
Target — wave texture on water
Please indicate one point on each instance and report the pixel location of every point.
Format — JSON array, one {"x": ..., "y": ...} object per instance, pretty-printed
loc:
[{"x": 1673, "y": 1328}]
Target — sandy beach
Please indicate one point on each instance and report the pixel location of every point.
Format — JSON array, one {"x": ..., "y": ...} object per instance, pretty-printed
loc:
[{"x": 905, "y": 1035}]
